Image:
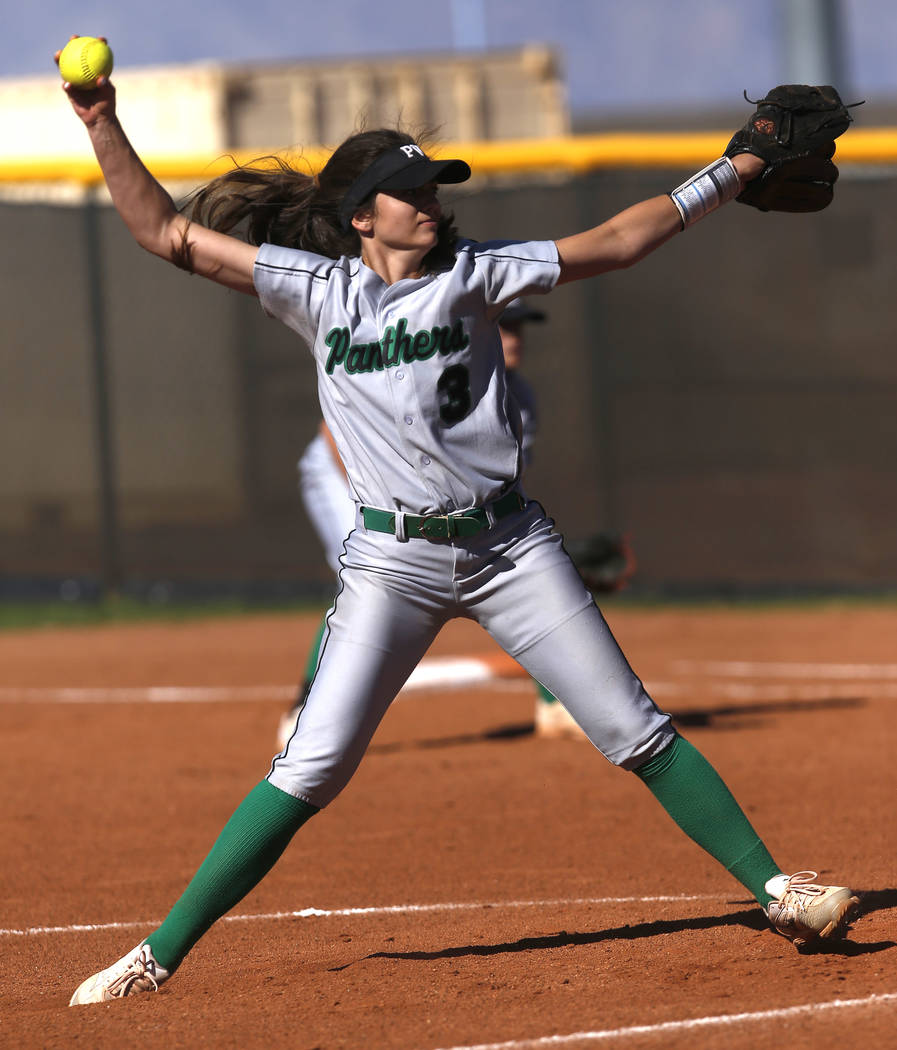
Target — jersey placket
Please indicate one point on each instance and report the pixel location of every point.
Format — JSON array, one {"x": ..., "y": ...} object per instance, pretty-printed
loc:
[{"x": 409, "y": 414}]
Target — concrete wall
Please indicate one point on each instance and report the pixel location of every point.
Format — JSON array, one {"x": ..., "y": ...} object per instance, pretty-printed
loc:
[{"x": 729, "y": 401}]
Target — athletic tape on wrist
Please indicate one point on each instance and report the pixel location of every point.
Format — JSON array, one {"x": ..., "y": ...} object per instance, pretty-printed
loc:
[{"x": 706, "y": 191}]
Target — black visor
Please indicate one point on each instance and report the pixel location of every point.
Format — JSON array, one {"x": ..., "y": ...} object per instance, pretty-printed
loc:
[{"x": 403, "y": 168}]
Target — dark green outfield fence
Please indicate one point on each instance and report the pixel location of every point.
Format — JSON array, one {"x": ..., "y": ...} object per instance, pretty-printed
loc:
[{"x": 731, "y": 402}]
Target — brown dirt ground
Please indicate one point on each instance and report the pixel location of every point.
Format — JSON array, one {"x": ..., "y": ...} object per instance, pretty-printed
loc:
[{"x": 110, "y": 806}]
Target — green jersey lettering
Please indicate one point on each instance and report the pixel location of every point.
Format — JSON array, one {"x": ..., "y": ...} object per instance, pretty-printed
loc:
[
  {"x": 391, "y": 355},
  {"x": 355, "y": 359},
  {"x": 395, "y": 346},
  {"x": 403, "y": 341},
  {"x": 459, "y": 339},
  {"x": 422, "y": 345},
  {"x": 338, "y": 340},
  {"x": 373, "y": 358}
]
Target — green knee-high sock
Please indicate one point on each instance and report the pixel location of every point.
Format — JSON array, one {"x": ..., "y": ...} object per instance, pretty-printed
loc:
[
  {"x": 691, "y": 791},
  {"x": 312, "y": 664},
  {"x": 246, "y": 850}
]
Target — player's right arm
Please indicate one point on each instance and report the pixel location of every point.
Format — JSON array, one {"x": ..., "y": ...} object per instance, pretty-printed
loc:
[{"x": 147, "y": 209}]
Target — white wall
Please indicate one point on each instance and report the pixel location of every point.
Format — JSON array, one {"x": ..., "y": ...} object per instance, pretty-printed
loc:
[{"x": 165, "y": 110}]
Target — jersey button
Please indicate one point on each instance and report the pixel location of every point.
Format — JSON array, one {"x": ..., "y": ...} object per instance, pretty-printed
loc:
[
  {"x": 400, "y": 375},
  {"x": 409, "y": 420},
  {"x": 425, "y": 460}
]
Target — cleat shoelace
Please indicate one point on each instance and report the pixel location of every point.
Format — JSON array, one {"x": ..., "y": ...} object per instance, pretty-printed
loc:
[
  {"x": 798, "y": 889},
  {"x": 138, "y": 971}
]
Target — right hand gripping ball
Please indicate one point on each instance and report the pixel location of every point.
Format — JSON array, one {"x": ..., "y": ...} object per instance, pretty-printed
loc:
[{"x": 83, "y": 59}]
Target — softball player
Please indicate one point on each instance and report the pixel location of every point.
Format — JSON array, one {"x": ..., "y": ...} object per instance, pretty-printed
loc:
[
  {"x": 329, "y": 503},
  {"x": 400, "y": 315}
]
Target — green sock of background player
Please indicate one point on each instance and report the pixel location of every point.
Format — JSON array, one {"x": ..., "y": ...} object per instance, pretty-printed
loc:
[
  {"x": 549, "y": 698},
  {"x": 682, "y": 780},
  {"x": 312, "y": 666}
]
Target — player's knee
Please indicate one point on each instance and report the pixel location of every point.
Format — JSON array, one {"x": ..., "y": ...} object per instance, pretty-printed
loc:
[{"x": 651, "y": 749}]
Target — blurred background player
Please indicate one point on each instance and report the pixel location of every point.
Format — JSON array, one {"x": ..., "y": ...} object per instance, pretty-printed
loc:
[{"x": 330, "y": 505}]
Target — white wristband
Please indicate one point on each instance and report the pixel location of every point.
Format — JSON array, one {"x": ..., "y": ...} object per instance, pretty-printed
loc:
[{"x": 706, "y": 191}]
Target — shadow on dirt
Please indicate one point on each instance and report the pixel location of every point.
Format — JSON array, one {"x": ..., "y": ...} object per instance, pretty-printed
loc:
[
  {"x": 876, "y": 900},
  {"x": 732, "y": 716},
  {"x": 736, "y": 716},
  {"x": 750, "y": 918},
  {"x": 509, "y": 732}
]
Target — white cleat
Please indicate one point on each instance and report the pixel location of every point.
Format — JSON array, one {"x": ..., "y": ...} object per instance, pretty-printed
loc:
[
  {"x": 805, "y": 911},
  {"x": 553, "y": 721},
  {"x": 287, "y": 726},
  {"x": 136, "y": 972}
]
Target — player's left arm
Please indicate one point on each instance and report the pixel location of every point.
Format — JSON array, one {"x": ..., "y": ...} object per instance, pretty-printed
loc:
[{"x": 633, "y": 233}]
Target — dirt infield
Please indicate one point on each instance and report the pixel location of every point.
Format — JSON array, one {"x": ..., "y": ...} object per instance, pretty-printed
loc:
[{"x": 474, "y": 884}]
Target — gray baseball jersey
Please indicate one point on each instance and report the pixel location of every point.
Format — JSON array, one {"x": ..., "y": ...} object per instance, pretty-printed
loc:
[
  {"x": 409, "y": 375},
  {"x": 327, "y": 494}
]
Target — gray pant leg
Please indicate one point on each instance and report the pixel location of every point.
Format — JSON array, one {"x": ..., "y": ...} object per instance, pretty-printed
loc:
[
  {"x": 531, "y": 599},
  {"x": 383, "y": 621},
  {"x": 581, "y": 663}
]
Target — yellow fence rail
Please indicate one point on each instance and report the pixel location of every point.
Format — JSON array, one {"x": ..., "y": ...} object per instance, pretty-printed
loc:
[{"x": 574, "y": 154}]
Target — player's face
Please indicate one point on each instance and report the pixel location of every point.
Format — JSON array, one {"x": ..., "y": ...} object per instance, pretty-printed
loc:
[
  {"x": 512, "y": 344},
  {"x": 407, "y": 219}
]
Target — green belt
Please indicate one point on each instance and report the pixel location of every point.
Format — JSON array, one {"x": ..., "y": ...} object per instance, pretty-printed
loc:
[{"x": 445, "y": 526}]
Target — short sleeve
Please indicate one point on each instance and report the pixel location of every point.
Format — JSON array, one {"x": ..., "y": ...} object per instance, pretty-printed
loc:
[
  {"x": 509, "y": 269},
  {"x": 292, "y": 286}
]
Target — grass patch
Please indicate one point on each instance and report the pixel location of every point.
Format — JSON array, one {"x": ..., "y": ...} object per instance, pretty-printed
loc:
[
  {"x": 760, "y": 600},
  {"x": 21, "y": 615}
]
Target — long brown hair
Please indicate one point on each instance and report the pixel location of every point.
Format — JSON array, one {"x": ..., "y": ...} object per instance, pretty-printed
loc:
[{"x": 272, "y": 202}]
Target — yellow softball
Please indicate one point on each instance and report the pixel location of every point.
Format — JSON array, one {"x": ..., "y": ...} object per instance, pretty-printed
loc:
[{"x": 83, "y": 59}]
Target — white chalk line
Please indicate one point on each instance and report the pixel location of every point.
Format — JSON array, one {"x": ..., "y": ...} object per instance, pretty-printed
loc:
[
  {"x": 392, "y": 909},
  {"x": 742, "y": 690},
  {"x": 720, "y": 1020},
  {"x": 826, "y": 681},
  {"x": 781, "y": 691},
  {"x": 783, "y": 669},
  {"x": 155, "y": 694},
  {"x": 177, "y": 694},
  {"x": 525, "y": 1044},
  {"x": 431, "y": 673},
  {"x": 284, "y": 694}
]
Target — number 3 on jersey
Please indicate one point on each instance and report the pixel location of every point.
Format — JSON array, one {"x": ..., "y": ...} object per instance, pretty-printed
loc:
[{"x": 454, "y": 385}]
